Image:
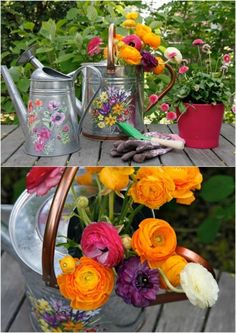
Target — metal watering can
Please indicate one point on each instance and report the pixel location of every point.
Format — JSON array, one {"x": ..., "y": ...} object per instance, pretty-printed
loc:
[
  {"x": 50, "y": 123},
  {"x": 33, "y": 240},
  {"x": 121, "y": 97}
]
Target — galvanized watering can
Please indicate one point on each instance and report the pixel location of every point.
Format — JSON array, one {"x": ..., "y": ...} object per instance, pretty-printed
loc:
[
  {"x": 34, "y": 226},
  {"x": 121, "y": 97},
  {"x": 50, "y": 122}
]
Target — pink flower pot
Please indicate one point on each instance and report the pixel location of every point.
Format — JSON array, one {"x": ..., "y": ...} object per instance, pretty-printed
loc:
[{"x": 200, "y": 125}]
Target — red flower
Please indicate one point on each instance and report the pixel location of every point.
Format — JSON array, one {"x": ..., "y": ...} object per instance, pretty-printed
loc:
[
  {"x": 101, "y": 242},
  {"x": 94, "y": 46},
  {"x": 30, "y": 106},
  {"x": 183, "y": 69},
  {"x": 198, "y": 41},
  {"x": 133, "y": 40},
  {"x": 171, "y": 115},
  {"x": 38, "y": 102},
  {"x": 40, "y": 180},
  {"x": 227, "y": 58}
]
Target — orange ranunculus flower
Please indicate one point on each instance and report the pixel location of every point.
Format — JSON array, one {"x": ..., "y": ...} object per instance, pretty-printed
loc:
[
  {"x": 141, "y": 30},
  {"x": 172, "y": 268},
  {"x": 115, "y": 178},
  {"x": 152, "y": 40},
  {"x": 85, "y": 179},
  {"x": 130, "y": 54},
  {"x": 154, "y": 241},
  {"x": 186, "y": 179},
  {"x": 105, "y": 53},
  {"x": 129, "y": 23},
  {"x": 132, "y": 15},
  {"x": 93, "y": 169},
  {"x": 153, "y": 187},
  {"x": 89, "y": 287},
  {"x": 118, "y": 37},
  {"x": 160, "y": 67}
]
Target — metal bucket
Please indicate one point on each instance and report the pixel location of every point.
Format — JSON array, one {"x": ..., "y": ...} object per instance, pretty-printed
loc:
[
  {"x": 121, "y": 97},
  {"x": 31, "y": 232}
]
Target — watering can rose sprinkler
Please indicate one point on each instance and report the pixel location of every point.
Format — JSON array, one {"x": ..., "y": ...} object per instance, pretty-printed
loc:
[{"x": 50, "y": 123}]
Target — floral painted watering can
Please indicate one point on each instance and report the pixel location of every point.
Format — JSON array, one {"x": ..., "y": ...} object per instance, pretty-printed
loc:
[
  {"x": 44, "y": 219},
  {"x": 121, "y": 97},
  {"x": 50, "y": 122}
]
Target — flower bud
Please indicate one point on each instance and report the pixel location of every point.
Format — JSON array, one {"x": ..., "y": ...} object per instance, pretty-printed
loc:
[
  {"x": 82, "y": 202},
  {"x": 126, "y": 241},
  {"x": 67, "y": 265}
]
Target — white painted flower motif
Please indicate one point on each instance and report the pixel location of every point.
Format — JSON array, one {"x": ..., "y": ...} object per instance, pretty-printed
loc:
[
  {"x": 101, "y": 124},
  {"x": 199, "y": 285}
]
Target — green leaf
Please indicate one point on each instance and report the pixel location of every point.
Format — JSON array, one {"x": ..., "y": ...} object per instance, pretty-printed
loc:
[
  {"x": 72, "y": 13},
  {"x": 48, "y": 29},
  {"x": 92, "y": 13},
  {"x": 178, "y": 19},
  {"x": 217, "y": 188},
  {"x": 23, "y": 85},
  {"x": 15, "y": 74},
  {"x": 208, "y": 230},
  {"x": 28, "y": 25},
  {"x": 64, "y": 57},
  {"x": 182, "y": 107}
]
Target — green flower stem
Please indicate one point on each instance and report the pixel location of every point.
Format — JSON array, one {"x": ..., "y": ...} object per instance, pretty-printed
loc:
[
  {"x": 200, "y": 57},
  {"x": 125, "y": 209},
  {"x": 84, "y": 216},
  {"x": 169, "y": 285},
  {"x": 132, "y": 215},
  {"x": 111, "y": 205}
]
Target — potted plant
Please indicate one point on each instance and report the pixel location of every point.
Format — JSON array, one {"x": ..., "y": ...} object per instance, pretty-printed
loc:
[{"x": 199, "y": 97}]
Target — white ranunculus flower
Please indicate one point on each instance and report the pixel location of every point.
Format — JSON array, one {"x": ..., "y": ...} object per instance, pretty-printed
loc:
[
  {"x": 173, "y": 55},
  {"x": 199, "y": 285}
]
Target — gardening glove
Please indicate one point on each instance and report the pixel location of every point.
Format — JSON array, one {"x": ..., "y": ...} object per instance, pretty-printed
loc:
[{"x": 141, "y": 150}]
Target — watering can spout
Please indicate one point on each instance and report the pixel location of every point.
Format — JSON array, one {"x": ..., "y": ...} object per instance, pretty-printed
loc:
[{"x": 16, "y": 98}]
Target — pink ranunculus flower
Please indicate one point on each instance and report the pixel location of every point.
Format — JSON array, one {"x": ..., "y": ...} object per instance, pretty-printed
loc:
[
  {"x": 133, "y": 40},
  {"x": 94, "y": 46},
  {"x": 164, "y": 107},
  {"x": 101, "y": 241},
  {"x": 227, "y": 58},
  {"x": 171, "y": 115},
  {"x": 40, "y": 180},
  {"x": 183, "y": 69},
  {"x": 198, "y": 41}
]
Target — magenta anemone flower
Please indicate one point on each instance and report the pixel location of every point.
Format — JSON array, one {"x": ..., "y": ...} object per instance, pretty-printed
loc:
[
  {"x": 133, "y": 40},
  {"x": 136, "y": 283},
  {"x": 198, "y": 41},
  {"x": 94, "y": 46}
]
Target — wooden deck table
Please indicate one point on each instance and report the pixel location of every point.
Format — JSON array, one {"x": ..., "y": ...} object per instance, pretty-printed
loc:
[{"x": 98, "y": 152}]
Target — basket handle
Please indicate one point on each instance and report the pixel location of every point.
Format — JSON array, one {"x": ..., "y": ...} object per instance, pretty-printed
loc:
[
  {"x": 110, "y": 49},
  {"x": 49, "y": 239}
]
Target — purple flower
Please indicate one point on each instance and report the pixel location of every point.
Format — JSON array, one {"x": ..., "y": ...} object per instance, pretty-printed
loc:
[
  {"x": 53, "y": 105},
  {"x": 58, "y": 118},
  {"x": 148, "y": 61},
  {"x": 137, "y": 284},
  {"x": 105, "y": 109}
]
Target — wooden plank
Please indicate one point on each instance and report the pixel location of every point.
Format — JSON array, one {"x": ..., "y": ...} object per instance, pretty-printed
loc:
[
  {"x": 222, "y": 315},
  {"x": 225, "y": 151},
  {"x": 7, "y": 129},
  {"x": 12, "y": 287},
  {"x": 180, "y": 316},
  {"x": 228, "y": 132},
  {"x": 152, "y": 313},
  {"x": 20, "y": 159},
  {"x": 11, "y": 143},
  {"x": 88, "y": 154},
  {"x": 22, "y": 321},
  {"x": 57, "y": 160}
]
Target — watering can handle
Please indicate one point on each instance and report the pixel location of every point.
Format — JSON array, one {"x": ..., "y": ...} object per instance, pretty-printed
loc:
[
  {"x": 111, "y": 65},
  {"x": 49, "y": 241}
]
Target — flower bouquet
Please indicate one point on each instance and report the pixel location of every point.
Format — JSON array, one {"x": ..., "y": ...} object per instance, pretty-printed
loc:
[{"x": 119, "y": 243}]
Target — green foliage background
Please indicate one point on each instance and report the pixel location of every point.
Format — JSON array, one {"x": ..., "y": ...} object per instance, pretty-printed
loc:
[
  {"x": 62, "y": 29},
  {"x": 207, "y": 226}
]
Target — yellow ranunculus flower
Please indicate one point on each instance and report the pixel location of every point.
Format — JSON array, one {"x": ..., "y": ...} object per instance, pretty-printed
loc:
[
  {"x": 131, "y": 55},
  {"x": 152, "y": 40},
  {"x": 160, "y": 67},
  {"x": 129, "y": 23},
  {"x": 153, "y": 187},
  {"x": 186, "y": 179},
  {"x": 68, "y": 264},
  {"x": 141, "y": 30},
  {"x": 115, "y": 178},
  {"x": 89, "y": 286},
  {"x": 172, "y": 268},
  {"x": 131, "y": 15}
]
